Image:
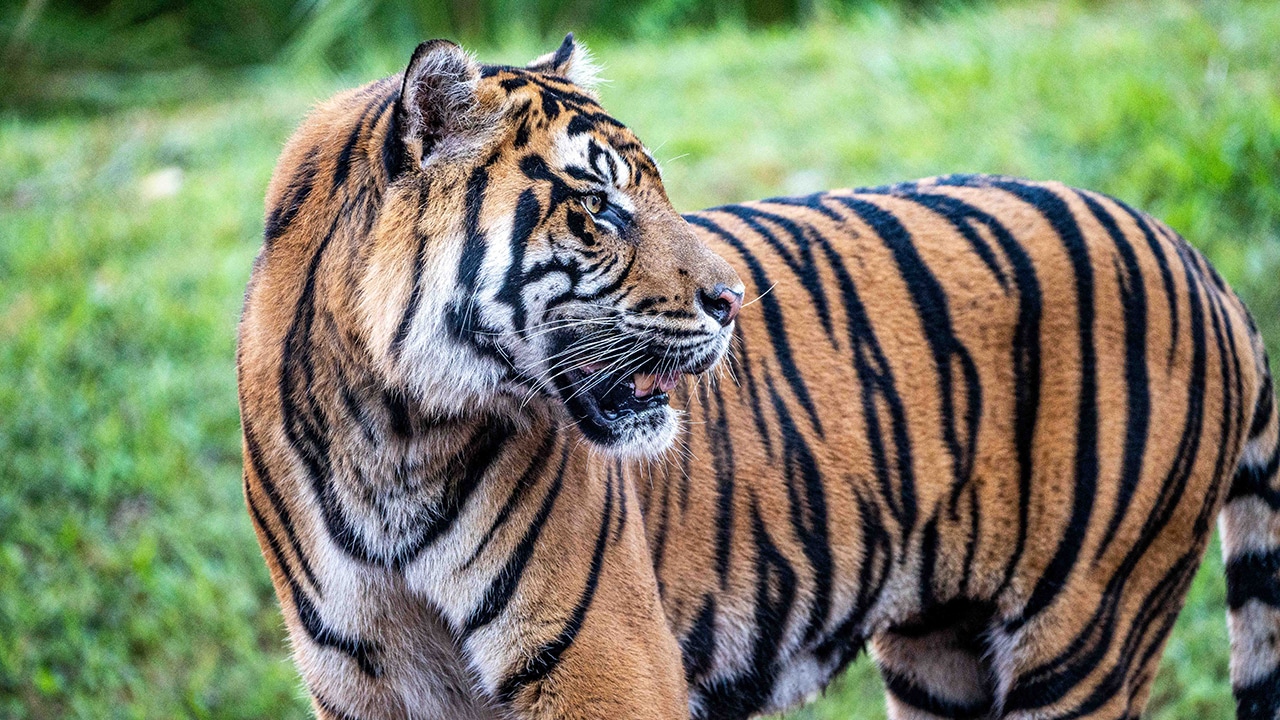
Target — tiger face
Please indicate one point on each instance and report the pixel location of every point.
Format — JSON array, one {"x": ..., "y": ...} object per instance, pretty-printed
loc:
[{"x": 564, "y": 273}]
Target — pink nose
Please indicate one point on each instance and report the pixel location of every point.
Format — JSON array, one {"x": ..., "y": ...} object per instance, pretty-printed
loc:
[{"x": 721, "y": 303}]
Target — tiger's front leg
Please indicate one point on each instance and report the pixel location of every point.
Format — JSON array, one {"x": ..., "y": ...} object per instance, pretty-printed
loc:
[
  {"x": 559, "y": 614},
  {"x": 365, "y": 645},
  {"x": 547, "y": 611}
]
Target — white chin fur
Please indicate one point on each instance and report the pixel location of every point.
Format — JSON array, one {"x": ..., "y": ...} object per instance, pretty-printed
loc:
[{"x": 647, "y": 440}]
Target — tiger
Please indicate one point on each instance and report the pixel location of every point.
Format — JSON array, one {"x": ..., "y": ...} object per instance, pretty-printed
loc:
[{"x": 522, "y": 441}]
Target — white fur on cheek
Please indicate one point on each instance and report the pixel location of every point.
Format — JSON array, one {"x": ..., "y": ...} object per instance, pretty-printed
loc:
[{"x": 444, "y": 375}]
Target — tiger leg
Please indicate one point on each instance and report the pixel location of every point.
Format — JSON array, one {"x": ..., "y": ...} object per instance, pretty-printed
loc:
[
  {"x": 570, "y": 627},
  {"x": 394, "y": 659},
  {"x": 1092, "y": 653},
  {"x": 935, "y": 669}
]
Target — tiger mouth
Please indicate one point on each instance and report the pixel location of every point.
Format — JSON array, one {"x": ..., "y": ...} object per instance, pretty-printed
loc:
[{"x": 605, "y": 402}]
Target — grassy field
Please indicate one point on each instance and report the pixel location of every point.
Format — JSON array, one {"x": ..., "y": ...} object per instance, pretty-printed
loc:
[{"x": 130, "y": 582}]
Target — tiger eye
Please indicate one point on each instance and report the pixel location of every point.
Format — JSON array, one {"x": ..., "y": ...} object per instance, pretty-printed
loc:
[{"x": 593, "y": 203}]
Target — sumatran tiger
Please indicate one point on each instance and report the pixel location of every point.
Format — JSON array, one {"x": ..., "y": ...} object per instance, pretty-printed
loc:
[{"x": 521, "y": 441}]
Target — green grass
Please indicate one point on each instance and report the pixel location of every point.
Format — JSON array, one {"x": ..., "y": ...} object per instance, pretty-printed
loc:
[{"x": 130, "y": 582}]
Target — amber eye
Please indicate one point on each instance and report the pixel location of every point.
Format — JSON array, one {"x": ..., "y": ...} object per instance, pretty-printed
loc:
[{"x": 593, "y": 203}]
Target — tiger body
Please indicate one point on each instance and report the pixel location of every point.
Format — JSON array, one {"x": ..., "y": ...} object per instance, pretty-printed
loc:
[
  {"x": 980, "y": 424},
  {"x": 991, "y": 439}
]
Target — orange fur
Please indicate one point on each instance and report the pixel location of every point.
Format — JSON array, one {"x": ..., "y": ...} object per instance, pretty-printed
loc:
[{"x": 982, "y": 424}]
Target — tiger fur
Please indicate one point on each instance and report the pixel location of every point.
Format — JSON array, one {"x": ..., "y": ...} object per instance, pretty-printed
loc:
[{"x": 979, "y": 424}]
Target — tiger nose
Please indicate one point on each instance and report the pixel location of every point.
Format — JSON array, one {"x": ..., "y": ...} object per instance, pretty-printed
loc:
[{"x": 721, "y": 302}]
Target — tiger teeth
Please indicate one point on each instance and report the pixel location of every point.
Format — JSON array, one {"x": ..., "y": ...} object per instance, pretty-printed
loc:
[
  {"x": 643, "y": 384},
  {"x": 667, "y": 381}
]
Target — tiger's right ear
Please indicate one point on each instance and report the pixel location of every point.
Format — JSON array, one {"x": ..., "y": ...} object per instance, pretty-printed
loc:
[{"x": 439, "y": 112}]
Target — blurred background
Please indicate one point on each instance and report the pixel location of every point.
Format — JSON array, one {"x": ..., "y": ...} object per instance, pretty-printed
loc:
[{"x": 137, "y": 137}]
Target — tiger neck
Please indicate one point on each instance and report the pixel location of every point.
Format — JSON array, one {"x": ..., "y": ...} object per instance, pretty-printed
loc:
[{"x": 390, "y": 477}]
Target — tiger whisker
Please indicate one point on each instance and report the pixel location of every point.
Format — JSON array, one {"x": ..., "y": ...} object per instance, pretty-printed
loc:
[{"x": 757, "y": 298}]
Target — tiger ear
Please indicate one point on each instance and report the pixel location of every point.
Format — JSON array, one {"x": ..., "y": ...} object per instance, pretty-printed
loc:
[
  {"x": 439, "y": 111},
  {"x": 571, "y": 61}
]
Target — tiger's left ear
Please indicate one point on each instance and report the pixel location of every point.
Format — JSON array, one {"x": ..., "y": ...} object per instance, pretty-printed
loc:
[{"x": 571, "y": 61}]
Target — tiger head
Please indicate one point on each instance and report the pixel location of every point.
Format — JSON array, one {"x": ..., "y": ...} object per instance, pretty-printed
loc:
[{"x": 526, "y": 250}]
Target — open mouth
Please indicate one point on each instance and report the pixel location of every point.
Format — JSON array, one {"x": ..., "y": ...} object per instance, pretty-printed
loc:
[
  {"x": 620, "y": 398},
  {"x": 608, "y": 404}
]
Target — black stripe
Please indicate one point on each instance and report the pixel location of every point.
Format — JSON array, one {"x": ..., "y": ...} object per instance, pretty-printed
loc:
[
  {"x": 1166, "y": 273},
  {"x": 807, "y": 505},
  {"x": 659, "y": 543},
  {"x": 545, "y": 659},
  {"x": 1133, "y": 299},
  {"x": 519, "y": 491},
  {"x": 342, "y": 167},
  {"x": 329, "y": 708},
  {"x": 273, "y": 544},
  {"x": 719, "y": 438},
  {"x": 961, "y": 218},
  {"x": 254, "y": 452},
  {"x": 931, "y": 304},
  {"x": 503, "y": 586},
  {"x": 398, "y": 417},
  {"x": 742, "y": 362},
  {"x": 1255, "y": 481},
  {"x": 1265, "y": 406},
  {"x": 812, "y": 201},
  {"x": 527, "y": 215},
  {"x": 473, "y": 244},
  {"x": 415, "y": 298},
  {"x": 363, "y": 652},
  {"x": 1232, "y": 419},
  {"x": 774, "y": 322},
  {"x": 293, "y": 198},
  {"x": 928, "y": 563},
  {"x": 1059, "y": 215},
  {"x": 1259, "y": 700},
  {"x": 878, "y": 388},
  {"x": 1254, "y": 576},
  {"x": 698, "y": 647},
  {"x": 355, "y": 406},
  {"x": 907, "y": 692},
  {"x": 521, "y": 112},
  {"x": 971, "y": 543},
  {"x": 394, "y": 153},
  {"x": 873, "y": 571},
  {"x": 483, "y": 452}
]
